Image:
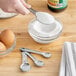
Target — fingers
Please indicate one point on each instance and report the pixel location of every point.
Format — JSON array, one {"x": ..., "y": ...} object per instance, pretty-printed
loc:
[
  {"x": 20, "y": 8},
  {"x": 9, "y": 10}
]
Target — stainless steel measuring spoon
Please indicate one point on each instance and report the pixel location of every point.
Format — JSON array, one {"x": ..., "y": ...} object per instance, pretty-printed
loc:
[
  {"x": 47, "y": 55},
  {"x": 25, "y": 66},
  {"x": 42, "y": 16},
  {"x": 37, "y": 62}
]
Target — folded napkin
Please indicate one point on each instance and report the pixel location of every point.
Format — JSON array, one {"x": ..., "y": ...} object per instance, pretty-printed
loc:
[{"x": 68, "y": 61}]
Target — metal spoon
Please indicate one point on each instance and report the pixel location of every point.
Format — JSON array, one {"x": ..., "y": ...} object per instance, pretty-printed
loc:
[
  {"x": 47, "y": 55},
  {"x": 37, "y": 62},
  {"x": 25, "y": 66},
  {"x": 42, "y": 16}
]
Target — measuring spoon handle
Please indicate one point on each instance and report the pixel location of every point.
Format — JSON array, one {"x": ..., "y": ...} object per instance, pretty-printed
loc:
[
  {"x": 24, "y": 58},
  {"x": 31, "y": 56},
  {"x": 32, "y": 10},
  {"x": 31, "y": 51}
]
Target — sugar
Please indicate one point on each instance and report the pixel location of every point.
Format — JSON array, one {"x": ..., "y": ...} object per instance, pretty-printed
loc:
[
  {"x": 44, "y": 17},
  {"x": 44, "y": 28}
]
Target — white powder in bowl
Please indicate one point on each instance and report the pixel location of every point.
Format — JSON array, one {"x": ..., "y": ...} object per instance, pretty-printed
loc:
[
  {"x": 6, "y": 15},
  {"x": 45, "y": 18}
]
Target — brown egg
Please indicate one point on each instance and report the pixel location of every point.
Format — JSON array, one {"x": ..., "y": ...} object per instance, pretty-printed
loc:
[
  {"x": 7, "y": 37},
  {"x": 2, "y": 47}
]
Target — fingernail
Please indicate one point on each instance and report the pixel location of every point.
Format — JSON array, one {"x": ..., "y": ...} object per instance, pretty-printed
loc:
[{"x": 29, "y": 6}]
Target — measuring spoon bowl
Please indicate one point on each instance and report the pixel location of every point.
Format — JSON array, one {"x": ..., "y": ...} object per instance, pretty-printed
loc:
[
  {"x": 25, "y": 67},
  {"x": 47, "y": 55},
  {"x": 39, "y": 63}
]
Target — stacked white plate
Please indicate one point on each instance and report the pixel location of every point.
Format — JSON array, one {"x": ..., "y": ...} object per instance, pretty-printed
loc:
[{"x": 43, "y": 33}]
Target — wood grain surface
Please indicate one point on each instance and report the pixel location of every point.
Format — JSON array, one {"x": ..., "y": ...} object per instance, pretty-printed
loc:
[{"x": 9, "y": 65}]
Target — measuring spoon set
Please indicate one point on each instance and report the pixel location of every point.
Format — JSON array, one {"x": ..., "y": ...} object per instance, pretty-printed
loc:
[{"x": 25, "y": 66}]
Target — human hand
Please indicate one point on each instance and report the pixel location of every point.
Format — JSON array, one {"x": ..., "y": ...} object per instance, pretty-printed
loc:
[{"x": 15, "y": 6}]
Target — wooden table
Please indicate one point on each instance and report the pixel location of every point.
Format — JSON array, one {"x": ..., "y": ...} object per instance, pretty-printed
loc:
[{"x": 9, "y": 65}]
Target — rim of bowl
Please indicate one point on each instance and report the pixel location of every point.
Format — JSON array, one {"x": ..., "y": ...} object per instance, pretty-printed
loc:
[
  {"x": 52, "y": 35},
  {"x": 45, "y": 38},
  {"x": 11, "y": 48}
]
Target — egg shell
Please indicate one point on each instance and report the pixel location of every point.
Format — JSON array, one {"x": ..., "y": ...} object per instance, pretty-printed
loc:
[
  {"x": 2, "y": 47},
  {"x": 7, "y": 37}
]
